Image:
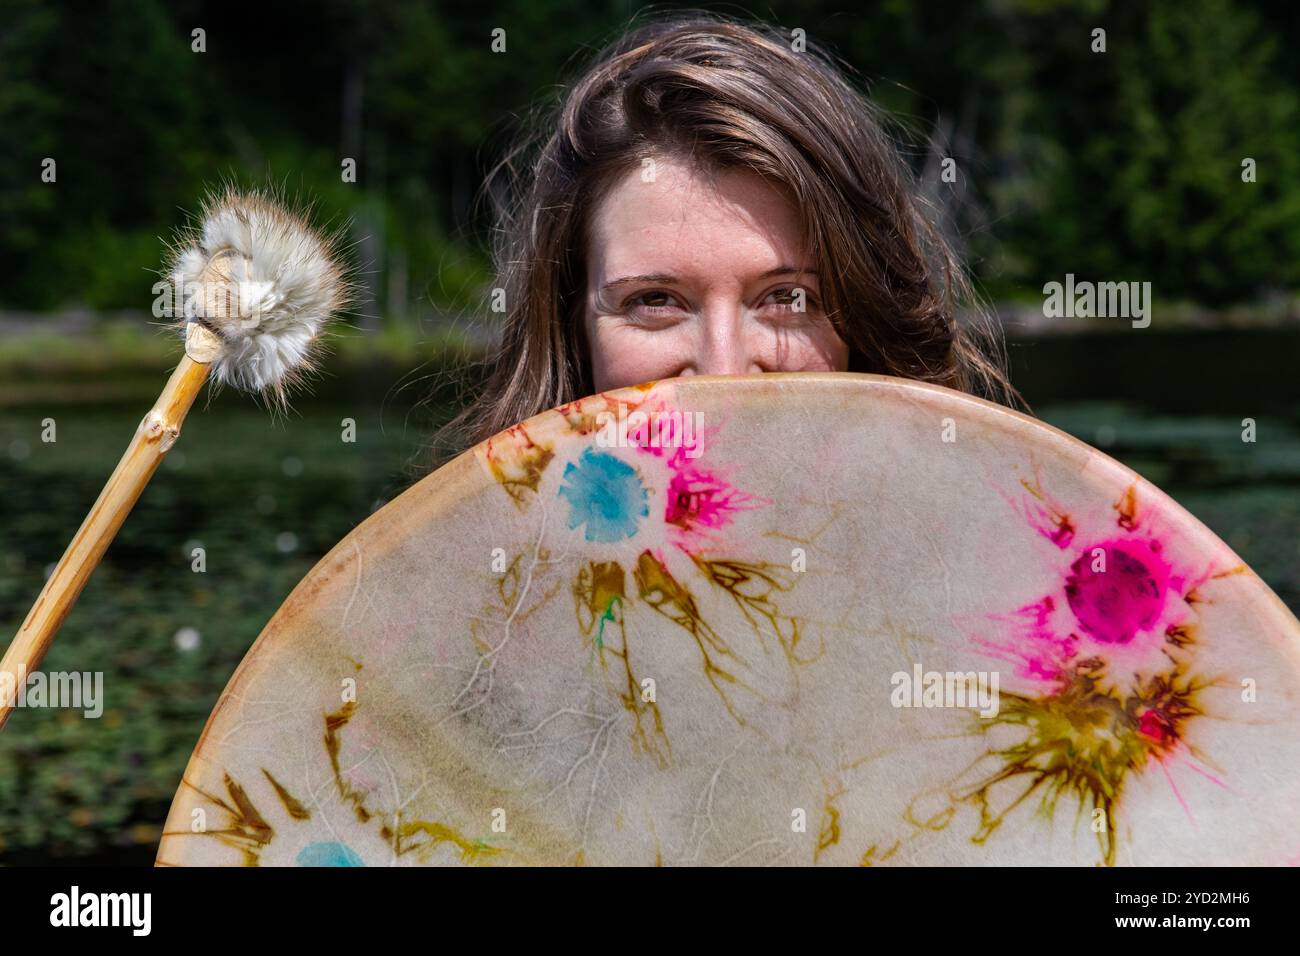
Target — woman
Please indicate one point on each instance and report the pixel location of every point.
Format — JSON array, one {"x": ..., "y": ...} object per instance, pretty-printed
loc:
[{"x": 707, "y": 200}]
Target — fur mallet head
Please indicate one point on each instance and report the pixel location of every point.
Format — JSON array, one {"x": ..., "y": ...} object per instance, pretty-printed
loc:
[{"x": 265, "y": 283}]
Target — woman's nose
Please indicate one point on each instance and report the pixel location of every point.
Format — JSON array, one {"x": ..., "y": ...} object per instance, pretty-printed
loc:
[{"x": 725, "y": 347}]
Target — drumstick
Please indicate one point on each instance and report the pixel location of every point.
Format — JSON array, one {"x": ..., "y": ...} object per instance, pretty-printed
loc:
[{"x": 257, "y": 284}]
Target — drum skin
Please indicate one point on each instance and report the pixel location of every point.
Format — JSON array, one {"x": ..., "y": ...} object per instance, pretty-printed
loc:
[{"x": 796, "y": 619}]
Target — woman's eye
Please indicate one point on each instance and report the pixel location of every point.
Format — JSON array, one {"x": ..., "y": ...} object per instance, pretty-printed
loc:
[
  {"x": 652, "y": 305},
  {"x": 654, "y": 300},
  {"x": 793, "y": 299}
]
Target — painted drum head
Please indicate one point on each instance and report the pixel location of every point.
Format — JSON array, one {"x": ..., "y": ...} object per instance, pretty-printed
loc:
[{"x": 797, "y": 619}]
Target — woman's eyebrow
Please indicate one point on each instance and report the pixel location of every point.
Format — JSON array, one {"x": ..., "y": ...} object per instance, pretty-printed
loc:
[
  {"x": 654, "y": 277},
  {"x": 668, "y": 279},
  {"x": 786, "y": 270}
]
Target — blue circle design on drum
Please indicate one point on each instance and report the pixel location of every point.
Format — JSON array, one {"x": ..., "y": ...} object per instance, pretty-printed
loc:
[
  {"x": 329, "y": 854},
  {"x": 606, "y": 495}
]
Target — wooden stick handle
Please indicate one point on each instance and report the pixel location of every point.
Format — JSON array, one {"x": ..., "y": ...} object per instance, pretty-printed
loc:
[{"x": 153, "y": 439}]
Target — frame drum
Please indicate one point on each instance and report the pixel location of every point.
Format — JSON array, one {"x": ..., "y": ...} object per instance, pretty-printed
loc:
[{"x": 773, "y": 619}]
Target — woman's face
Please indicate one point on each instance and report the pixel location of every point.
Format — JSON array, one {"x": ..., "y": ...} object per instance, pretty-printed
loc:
[{"x": 693, "y": 274}]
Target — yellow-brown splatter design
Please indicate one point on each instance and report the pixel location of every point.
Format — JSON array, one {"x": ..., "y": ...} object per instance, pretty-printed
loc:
[
  {"x": 517, "y": 462},
  {"x": 600, "y": 597},
  {"x": 753, "y": 586},
  {"x": 421, "y": 836},
  {"x": 245, "y": 829},
  {"x": 292, "y": 805},
  {"x": 334, "y": 724},
  {"x": 829, "y": 834},
  {"x": 1082, "y": 743},
  {"x": 660, "y": 590}
]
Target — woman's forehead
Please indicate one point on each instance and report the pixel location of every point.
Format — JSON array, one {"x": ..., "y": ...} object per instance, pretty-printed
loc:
[{"x": 671, "y": 218}]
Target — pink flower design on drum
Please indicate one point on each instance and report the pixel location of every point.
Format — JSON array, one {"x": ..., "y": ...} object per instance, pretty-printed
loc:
[{"x": 1104, "y": 683}]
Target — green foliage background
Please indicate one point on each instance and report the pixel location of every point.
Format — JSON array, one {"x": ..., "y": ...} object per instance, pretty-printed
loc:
[{"x": 1123, "y": 164}]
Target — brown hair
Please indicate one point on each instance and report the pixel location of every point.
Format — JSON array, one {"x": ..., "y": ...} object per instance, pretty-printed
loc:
[{"x": 723, "y": 94}]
